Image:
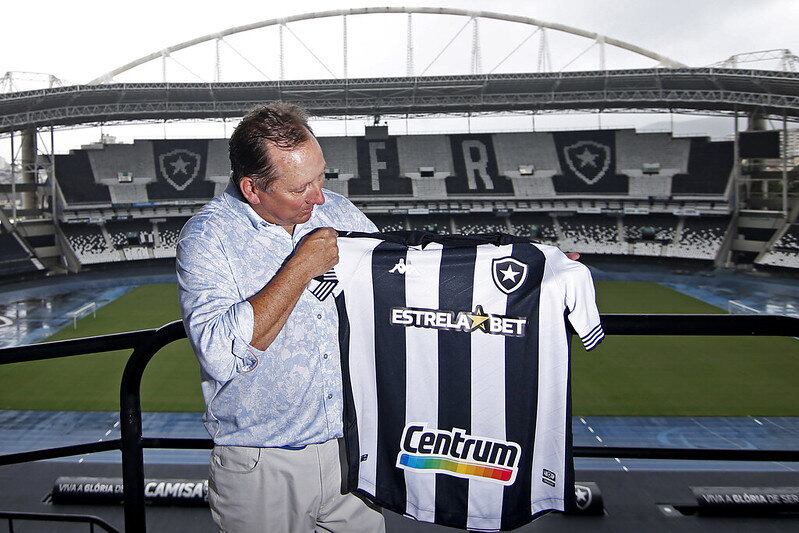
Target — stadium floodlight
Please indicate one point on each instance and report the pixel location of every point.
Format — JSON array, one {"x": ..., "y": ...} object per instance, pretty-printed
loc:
[{"x": 526, "y": 170}]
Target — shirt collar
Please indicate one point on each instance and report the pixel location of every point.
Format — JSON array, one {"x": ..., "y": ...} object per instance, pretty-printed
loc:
[{"x": 236, "y": 202}]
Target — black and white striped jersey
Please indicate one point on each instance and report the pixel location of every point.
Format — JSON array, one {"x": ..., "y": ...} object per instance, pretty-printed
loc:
[{"x": 455, "y": 360}]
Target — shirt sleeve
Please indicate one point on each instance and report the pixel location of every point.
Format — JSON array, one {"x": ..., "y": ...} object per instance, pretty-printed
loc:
[
  {"x": 580, "y": 299},
  {"x": 218, "y": 322}
]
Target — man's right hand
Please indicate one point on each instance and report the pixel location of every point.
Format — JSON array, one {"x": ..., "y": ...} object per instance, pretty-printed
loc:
[{"x": 317, "y": 252}]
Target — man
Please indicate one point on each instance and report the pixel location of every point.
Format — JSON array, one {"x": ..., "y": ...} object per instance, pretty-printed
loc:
[{"x": 268, "y": 349}]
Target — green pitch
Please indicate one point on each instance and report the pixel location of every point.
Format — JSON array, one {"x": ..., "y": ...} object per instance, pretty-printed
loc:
[{"x": 626, "y": 375}]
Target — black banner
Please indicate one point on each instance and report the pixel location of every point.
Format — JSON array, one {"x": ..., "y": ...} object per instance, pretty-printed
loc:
[
  {"x": 108, "y": 490},
  {"x": 180, "y": 170},
  {"x": 747, "y": 499},
  {"x": 475, "y": 167},
  {"x": 588, "y": 163},
  {"x": 378, "y": 169}
]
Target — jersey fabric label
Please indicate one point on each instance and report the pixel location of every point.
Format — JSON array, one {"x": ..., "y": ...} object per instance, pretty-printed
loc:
[{"x": 455, "y": 361}]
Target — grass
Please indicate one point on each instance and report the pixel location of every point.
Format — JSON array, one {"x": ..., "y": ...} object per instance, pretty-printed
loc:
[{"x": 626, "y": 375}]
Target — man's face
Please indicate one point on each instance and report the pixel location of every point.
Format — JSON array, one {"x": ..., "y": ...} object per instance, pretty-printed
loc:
[{"x": 290, "y": 199}]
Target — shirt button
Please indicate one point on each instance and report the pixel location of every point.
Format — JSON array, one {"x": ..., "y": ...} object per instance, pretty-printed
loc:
[
  {"x": 319, "y": 317},
  {"x": 325, "y": 356},
  {"x": 329, "y": 396}
]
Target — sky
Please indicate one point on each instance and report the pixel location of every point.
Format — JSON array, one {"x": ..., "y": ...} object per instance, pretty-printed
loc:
[{"x": 79, "y": 40}]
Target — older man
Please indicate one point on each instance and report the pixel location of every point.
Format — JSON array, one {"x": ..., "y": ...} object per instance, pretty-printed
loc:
[{"x": 268, "y": 349}]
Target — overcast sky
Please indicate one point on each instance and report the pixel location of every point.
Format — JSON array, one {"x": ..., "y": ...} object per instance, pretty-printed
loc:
[{"x": 79, "y": 40}]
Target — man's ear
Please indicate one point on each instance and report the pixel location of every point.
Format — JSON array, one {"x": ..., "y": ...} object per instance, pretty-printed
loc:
[{"x": 247, "y": 187}]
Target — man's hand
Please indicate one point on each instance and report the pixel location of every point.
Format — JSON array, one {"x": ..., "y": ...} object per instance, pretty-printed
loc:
[
  {"x": 317, "y": 253},
  {"x": 574, "y": 256}
]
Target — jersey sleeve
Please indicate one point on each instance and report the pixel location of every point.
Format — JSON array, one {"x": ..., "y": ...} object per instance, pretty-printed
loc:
[{"x": 580, "y": 299}]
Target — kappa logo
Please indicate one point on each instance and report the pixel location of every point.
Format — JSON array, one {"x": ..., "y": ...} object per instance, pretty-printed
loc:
[
  {"x": 402, "y": 268},
  {"x": 179, "y": 167},
  {"x": 508, "y": 274},
  {"x": 589, "y": 160}
]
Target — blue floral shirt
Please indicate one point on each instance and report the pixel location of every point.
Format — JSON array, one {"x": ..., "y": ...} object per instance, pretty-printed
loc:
[{"x": 291, "y": 393}]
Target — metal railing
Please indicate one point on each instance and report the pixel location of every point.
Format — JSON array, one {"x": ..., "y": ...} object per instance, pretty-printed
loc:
[
  {"x": 146, "y": 343},
  {"x": 91, "y": 520}
]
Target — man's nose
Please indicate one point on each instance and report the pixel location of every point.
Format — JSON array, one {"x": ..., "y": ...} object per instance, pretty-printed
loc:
[{"x": 317, "y": 197}]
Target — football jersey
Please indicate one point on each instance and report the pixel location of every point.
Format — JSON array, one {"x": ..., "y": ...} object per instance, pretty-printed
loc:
[{"x": 455, "y": 362}]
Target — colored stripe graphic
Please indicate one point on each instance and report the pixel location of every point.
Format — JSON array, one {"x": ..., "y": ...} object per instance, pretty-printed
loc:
[{"x": 456, "y": 467}]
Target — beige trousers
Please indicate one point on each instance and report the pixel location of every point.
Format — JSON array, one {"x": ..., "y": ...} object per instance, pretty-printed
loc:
[{"x": 274, "y": 490}]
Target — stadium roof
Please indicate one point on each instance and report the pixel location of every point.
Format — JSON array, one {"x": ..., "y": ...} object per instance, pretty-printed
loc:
[{"x": 701, "y": 89}]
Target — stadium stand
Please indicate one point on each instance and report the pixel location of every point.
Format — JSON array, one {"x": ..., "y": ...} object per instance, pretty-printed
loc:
[
  {"x": 427, "y": 160},
  {"x": 591, "y": 234},
  {"x": 388, "y": 222},
  {"x": 588, "y": 163},
  {"x": 480, "y": 223},
  {"x": 168, "y": 232},
  {"x": 76, "y": 180},
  {"x": 180, "y": 166},
  {"x": 537, "y": 226},
  {"x": 134, "y": 238},
  {"x": 785, "y": 251},
  {"x": 14, "y": 258},
  {"x": 475, "y": 168},
  {"x": 700, "y": 238},
  {"x": 440, "y": 224},
  {"x": 709, "y": 168},
  {"x": 89, "y": 243}
]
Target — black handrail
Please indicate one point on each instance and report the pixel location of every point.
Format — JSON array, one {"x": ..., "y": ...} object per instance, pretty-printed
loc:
[
  {"x": 146, "y": 344},
  {"x": 59, "y": 517}
]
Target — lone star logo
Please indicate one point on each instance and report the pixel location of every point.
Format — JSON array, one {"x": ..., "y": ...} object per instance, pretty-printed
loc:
[
  {"x": 179, "y": 167},
  {"x": 582, "y": 496},
  {"x": 478, "y": 319},
  {"x": 588, "y": 160},
  {"x": 504, "y": 272}
]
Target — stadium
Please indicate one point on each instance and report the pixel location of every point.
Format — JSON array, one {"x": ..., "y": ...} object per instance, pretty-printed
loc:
[{"x": 684, "y": 419}]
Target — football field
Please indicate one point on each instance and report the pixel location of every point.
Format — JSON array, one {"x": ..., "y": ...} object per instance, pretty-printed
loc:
[{"x": 626, "y": 375}]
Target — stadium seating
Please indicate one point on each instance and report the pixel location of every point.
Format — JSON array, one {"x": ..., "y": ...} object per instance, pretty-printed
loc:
[
  {"x": 701, "y": 238},
  {"x": 785, "y": 251},
  {"x": 536, "y": 226},
  {"x": 127, "y": 233},
  {"x": 168, "y": 232},
  {"x": 388, "y": 222},
  {"x": 89, "y": 243},
  {"x": 440, "y": 224},
  {"x": 480, "y": 223},
  {"x": 709, "y": 168},
  {"x": 14, "y": 258},
  {"x": 591, "y": 234},
  {"x": 76, "y": 180}
]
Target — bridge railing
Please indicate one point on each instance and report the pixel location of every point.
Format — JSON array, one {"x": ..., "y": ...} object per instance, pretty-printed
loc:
[{"x": 146, "y": 343}]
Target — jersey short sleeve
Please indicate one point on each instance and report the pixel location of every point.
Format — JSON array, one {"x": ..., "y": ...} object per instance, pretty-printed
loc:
[{"x": 580, "y": 298}]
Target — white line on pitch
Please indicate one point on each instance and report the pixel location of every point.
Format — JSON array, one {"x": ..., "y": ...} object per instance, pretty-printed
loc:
[
  {"x": 582, "y": 420},
  {"x": 116, "y": 423},
  {"x": 758, "y": 422},
  {"x": 107, "y": 433},
  {"x": 598, "y": 438},
  {"x": 625, "y": 468},
  {"x": 590, "y": 429}
]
